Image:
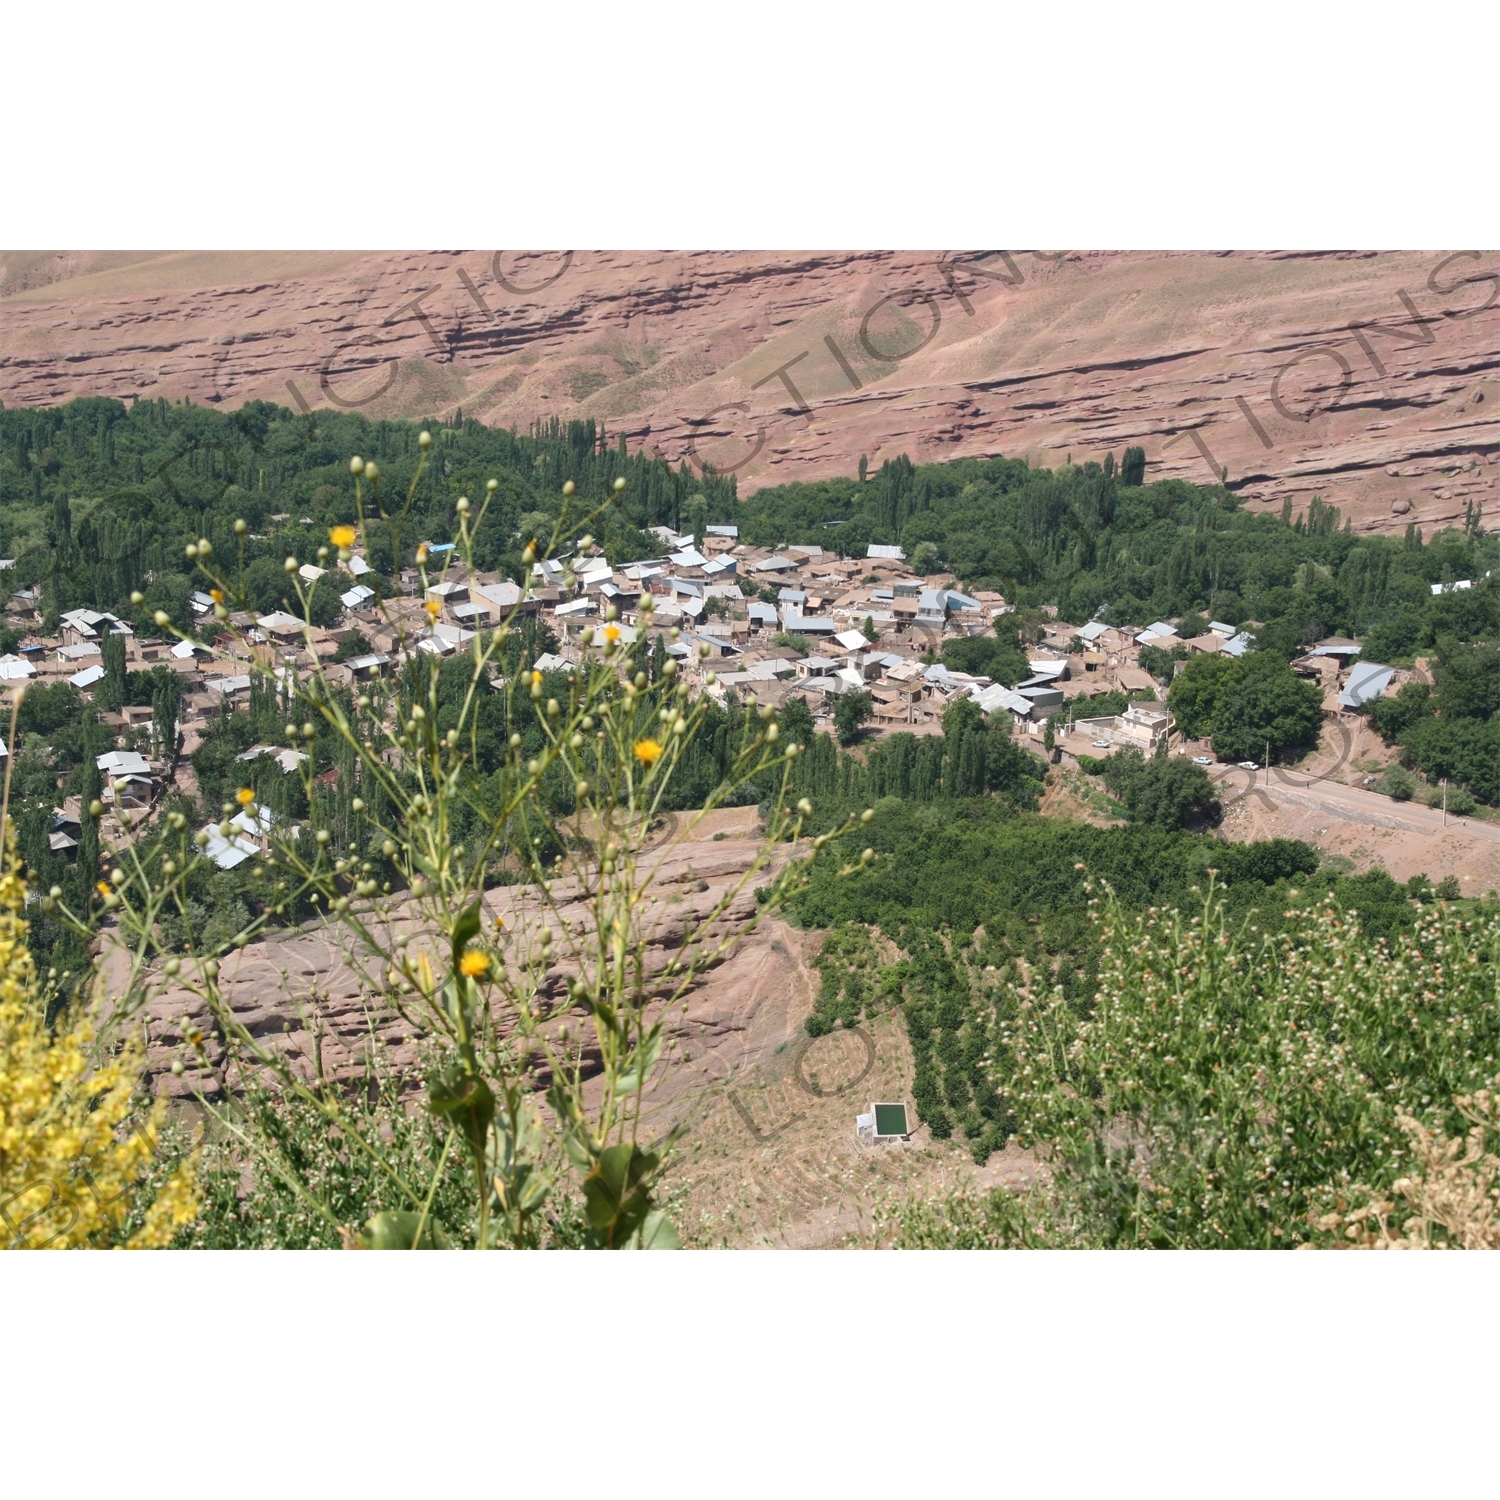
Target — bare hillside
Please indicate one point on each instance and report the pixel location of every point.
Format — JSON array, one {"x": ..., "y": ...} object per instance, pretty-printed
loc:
[{"x": 1367, "y": 378}]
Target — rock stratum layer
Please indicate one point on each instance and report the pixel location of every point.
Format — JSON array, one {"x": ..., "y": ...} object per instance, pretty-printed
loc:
[{"x": 1368, "y": 378}]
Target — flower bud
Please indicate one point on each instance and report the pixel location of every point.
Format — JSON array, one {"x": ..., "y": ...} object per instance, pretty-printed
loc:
[
  {"x": 568, "y": 490},
  {"x": 372, "y": 471},
  {"x": 96, "y": 808},
  {"x": 137, "y": 598},
  {"x": 241, "y": 526},
  {"x": 290, "y": 565},
  {"x": 162, "y": 618},
  {"x": 424, "y": 439},
  {"x": 357, "y": 464}
]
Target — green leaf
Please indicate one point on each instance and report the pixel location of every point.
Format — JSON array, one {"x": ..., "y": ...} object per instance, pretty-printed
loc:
[
  {"x": 615, "y": 1201},
  {"x": 466, "y": 928},
  {"x": 395, "y": 1229},
  {"x": 465, "y": 1099},
  {"x": 656, "y": 1233},
  {"x": 642, "y": 1062}
]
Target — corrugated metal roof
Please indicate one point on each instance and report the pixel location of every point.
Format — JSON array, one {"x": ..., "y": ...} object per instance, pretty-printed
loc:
[{"x": 1367, "y": 680}]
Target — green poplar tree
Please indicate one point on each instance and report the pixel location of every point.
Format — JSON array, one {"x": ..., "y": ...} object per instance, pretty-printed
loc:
[{"x": 110, "y": 692}]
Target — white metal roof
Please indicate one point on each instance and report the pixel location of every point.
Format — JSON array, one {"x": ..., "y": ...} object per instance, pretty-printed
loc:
[
  {"x": 123, "y": 763},
  {"x": 1367, "y": 680}
]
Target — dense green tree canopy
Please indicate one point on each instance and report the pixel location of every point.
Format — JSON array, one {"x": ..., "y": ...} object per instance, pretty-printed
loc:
[{"x": 1262, "y": 702}]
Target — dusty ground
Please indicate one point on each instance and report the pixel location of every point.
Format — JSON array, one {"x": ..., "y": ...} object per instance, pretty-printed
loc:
[
  {"x": 770, "y": 1158},
  {"x": 1404, "y": 838}
]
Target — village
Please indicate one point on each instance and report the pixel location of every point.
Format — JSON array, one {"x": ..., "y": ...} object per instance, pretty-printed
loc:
[{"x": 766, "y": 625}]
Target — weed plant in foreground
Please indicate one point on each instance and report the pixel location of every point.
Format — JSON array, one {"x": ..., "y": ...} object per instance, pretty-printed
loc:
[
  {"x": 1231, "y": 1090},
  {"x": 530, "y": 1130}
]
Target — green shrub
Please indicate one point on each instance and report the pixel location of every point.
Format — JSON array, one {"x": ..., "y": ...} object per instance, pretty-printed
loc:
[
  {"x": 1227, "y": 1089},
  {"x": 1398, "y": 784}
]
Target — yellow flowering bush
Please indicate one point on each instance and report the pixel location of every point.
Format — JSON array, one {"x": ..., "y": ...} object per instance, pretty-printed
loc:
[{"x": 68, "y": 1177}]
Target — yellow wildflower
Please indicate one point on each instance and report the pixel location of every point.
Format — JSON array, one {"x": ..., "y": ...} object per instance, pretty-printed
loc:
[
  {"x": 342, "y": 536},
  {"x": 244, "y": 796},
  {"x": 611, "y": 633},
  {"x": 434, "y": 608},
  {"x": 217, "y": 595},
  {"x": 102, "y": 886},
  {"x": 474, "y": 963},
  {"x": 67, "y": 1179},
  {"x": 646, "y": 751}
]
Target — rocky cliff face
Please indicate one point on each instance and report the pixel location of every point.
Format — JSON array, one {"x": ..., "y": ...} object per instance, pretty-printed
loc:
[{"x": 1367, "y": 378}]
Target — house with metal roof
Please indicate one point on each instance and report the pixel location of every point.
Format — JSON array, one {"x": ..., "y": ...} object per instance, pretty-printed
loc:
[
  {"x": 123, "y": 763},
  {"x": 1367, "y": 680},
  {"x": 932, "y": 607}
]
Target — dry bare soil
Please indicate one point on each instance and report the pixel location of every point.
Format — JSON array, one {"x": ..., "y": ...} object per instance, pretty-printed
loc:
[{"x": 1369, "y": 378}]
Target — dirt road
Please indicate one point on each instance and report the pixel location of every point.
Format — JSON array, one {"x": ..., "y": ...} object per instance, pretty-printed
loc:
[{"x": 1347, "y": 802}]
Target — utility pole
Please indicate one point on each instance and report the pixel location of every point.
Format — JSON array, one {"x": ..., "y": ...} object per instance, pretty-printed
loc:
[
  {"x": 1445, "y": 802},
  {"x": 1268, "y": 762}
]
